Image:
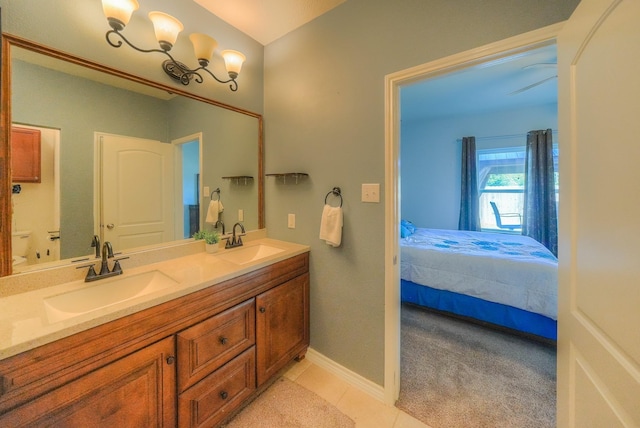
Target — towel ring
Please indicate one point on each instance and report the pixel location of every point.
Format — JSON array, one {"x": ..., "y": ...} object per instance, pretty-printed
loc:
[
  {"x": 336, "y": 192},
  {"x": 216, "y": 191}
]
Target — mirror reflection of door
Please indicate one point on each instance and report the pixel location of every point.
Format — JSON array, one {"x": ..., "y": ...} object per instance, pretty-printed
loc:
[
  {"x": 136, "y": 191},
  {"x": 36, "y": 203}
]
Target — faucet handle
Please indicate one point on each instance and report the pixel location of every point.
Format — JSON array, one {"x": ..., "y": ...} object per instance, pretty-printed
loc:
[
  {"x": 116, "y": 268},
  {"x": 91, "y": 273}
]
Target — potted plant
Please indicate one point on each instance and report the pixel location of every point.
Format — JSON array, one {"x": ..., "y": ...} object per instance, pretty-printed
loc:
[{"x": 211, "y": 239}]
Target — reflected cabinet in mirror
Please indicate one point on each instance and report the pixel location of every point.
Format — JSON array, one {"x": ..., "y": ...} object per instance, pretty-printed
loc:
[{"x": 121, "y": 159}]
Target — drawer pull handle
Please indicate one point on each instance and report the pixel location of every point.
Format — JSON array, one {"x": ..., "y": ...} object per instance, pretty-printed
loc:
[
  {"x": 263, "y": 310},
  {"x": 224, "y": 340},
  {"x": 171, "y": 359},
  {"x": 224, "y": 395}
]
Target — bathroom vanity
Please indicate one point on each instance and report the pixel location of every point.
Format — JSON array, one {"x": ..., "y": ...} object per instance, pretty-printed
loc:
[{"x": 190, "y": 360}]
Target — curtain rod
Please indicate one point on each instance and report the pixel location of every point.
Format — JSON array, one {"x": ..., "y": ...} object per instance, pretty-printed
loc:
[{"x": 503, "y": 137}]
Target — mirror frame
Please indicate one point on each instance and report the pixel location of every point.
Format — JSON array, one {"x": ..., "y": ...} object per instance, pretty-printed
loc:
[{"x": 9, "y": 41}]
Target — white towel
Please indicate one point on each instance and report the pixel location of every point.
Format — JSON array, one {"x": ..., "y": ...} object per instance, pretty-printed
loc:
[
  {"x": 331, "y": 225},
  {"x": 215, "y": 208}
]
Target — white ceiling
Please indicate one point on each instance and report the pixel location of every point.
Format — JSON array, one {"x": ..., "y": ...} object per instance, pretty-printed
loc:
[
  {"x": 268, "y": 20},
  {"x": 485, "y": 87}
]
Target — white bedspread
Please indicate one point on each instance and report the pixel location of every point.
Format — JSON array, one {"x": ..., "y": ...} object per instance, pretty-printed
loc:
[{"x": 512, "y": 270}]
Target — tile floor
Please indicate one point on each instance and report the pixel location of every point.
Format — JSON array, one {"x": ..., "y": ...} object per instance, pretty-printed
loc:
[{"x": 365, "y": 410}]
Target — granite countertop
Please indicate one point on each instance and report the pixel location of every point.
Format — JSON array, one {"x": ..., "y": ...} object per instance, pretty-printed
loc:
[{"x": 25, "y": 322}]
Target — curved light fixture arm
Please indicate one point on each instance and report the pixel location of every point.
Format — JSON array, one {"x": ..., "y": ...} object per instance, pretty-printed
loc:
[
  {"x": 233, "y": 85},
  {"x": 173, "y": 68}
]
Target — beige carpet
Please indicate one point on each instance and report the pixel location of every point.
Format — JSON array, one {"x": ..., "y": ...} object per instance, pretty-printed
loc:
[
  {"x": 458, "y": 374},
  {"x": 286, "y": 404}
]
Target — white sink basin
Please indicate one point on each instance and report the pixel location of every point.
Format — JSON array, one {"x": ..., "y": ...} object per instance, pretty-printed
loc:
[
  {"x": 244, "y": 255},
  {"x": 105, "y": 292}
]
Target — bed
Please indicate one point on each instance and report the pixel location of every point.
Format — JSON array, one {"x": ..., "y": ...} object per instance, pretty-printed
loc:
[{"x": 502, "y": 279}]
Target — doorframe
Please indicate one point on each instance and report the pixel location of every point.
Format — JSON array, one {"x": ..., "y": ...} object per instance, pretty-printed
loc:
[{"x": 393, "y": 82}]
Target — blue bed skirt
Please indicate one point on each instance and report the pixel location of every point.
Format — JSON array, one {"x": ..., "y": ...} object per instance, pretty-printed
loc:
[{"x": 494, "y": 313}]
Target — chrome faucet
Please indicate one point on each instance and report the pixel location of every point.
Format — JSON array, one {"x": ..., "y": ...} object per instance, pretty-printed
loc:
[{"x": 236, "y": 240}]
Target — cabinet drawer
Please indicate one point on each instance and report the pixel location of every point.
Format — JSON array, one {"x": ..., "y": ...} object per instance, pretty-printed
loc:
[
  {"x": 209, "y": 344},
  {"x": 211, "y": 400}
]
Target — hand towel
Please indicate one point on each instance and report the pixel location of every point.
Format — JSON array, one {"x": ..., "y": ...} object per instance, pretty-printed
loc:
[
  {"x": 331, "y": 225},
  {"x": 215, "y": 208}
]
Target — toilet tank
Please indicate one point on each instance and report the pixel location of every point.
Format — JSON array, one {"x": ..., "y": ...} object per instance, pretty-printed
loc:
[{"x": 20, "y": 242}]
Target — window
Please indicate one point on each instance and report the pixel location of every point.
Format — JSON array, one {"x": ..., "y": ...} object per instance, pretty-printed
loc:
[{"x": 501, "y": 180}]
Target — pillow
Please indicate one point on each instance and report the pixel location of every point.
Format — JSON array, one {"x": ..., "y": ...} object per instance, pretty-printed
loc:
[{"x": 406, "y": 228}]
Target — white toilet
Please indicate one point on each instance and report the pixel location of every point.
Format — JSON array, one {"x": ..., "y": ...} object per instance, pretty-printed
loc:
[{"x": 20, "y": 246}]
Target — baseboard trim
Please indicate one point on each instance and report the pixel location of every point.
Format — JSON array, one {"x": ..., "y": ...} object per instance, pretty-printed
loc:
[{"x": 352, "y": 378}]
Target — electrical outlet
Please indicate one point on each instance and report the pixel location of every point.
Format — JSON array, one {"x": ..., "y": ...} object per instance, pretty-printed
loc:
[
  {"x": 241, "y": 215},
  {"x": 371, "y": 192},
  {"x": 291, "y": 221},
  {"x": 206, "y": 191}
]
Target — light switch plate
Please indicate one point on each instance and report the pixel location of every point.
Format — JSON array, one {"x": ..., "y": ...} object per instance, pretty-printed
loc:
[
  {"x": 291, "y": 221},
  {"x": 371, "y": 192},
  {"x": 240, "y": 214},
  {"x": 206, "y": 191}
]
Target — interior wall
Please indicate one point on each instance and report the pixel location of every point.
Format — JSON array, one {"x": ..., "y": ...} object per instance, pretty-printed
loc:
[
  {"x": 324, "y": 115},
  {"x": 430, "y": 153}
]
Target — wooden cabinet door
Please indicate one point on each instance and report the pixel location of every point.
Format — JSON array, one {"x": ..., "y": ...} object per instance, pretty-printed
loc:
[
  {"x": 25, "y": 155},
  {"x": 282, "y": 326},
  {"x": 135, "y": 391}
]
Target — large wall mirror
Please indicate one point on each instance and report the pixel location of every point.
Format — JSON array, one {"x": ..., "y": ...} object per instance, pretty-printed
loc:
[{"x": 116, "y": 152}]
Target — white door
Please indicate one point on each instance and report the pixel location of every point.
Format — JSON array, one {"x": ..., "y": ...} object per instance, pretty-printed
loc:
[
  {"x": 599, "y": 260},
  {"x": 137, "y": 190}
]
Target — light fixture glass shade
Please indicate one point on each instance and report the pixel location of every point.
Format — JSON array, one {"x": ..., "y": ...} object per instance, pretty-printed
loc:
[
  {"x": 203, "y": 46},
  {"x": 233, "y": 61},
  {"x": 120, "y": 10},
  {"x": 166, "y": 27}
]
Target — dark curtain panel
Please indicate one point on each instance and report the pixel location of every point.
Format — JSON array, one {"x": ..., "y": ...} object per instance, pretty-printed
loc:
[
  {"x": 540, "y": 214},
  {"x": 469, "y": 201}
]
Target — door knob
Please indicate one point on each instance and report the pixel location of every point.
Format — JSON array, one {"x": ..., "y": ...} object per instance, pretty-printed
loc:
[{"x": 110, "y": 226}]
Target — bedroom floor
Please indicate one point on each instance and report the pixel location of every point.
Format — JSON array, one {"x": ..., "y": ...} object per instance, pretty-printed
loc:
[{"x": 365, "y": 410}]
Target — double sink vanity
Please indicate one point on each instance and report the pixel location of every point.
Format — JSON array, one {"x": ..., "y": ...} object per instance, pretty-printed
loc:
[{"x": 184, "y": 341}]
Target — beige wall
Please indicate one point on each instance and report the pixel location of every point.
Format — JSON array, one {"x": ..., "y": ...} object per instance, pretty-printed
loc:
[{"x": 324, "y": 115}]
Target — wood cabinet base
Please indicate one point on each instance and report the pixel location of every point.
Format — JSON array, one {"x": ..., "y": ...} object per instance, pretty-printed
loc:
[{"x": 192, "y": 361}]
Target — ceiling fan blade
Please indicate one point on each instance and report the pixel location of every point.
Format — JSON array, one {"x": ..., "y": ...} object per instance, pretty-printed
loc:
[
  {"x": 541, "y": 65},
  {"x": 533, "y": 85}
]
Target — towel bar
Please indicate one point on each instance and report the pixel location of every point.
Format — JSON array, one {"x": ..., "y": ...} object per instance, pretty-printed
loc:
[
  {"x": 336, "y": 192},
  {"x": 216, "y": 191}
]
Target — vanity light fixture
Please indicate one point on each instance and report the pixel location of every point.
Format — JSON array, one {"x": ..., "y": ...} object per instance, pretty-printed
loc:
[{"x": 118, "y": 13}]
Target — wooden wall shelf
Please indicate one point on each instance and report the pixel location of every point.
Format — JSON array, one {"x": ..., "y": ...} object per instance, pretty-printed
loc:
[
  {"x": 244, "y": 179},
  {"x": 285, "y": 175}
]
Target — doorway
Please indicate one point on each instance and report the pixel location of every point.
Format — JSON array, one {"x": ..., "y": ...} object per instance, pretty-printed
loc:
[
  {"x": 393, "y": 84},
  {"x": 188, "y": 186}
]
